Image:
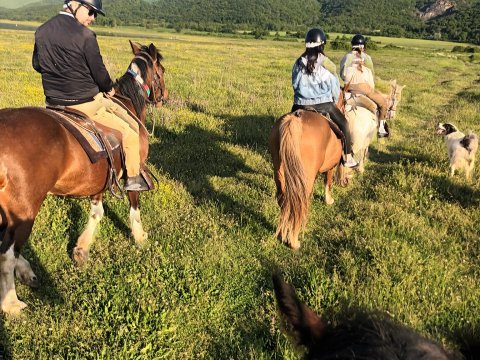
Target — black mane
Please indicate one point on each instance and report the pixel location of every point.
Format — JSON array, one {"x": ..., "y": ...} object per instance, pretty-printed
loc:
[{"x": 130, "y": 88}]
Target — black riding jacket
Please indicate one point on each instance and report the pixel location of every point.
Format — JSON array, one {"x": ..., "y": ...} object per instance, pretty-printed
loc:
[{"x": 67, "y": 55}]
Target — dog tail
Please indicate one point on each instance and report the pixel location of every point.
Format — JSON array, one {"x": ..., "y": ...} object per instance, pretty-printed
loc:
[{"x": 470, "y": 142}]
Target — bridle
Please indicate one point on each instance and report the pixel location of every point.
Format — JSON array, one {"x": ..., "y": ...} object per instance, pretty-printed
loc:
[{"x": 155, "y": 85}]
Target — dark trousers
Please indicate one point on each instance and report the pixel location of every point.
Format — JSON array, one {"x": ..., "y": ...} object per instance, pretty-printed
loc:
[{"x": 337, "y": 117}]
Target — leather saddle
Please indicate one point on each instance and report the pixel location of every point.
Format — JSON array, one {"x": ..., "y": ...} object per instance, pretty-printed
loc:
[
  {"x": 98, "y": 141},
  {"x": 336, "y": 130}
]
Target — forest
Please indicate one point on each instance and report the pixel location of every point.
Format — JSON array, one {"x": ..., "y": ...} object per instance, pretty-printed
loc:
[{"x": 371, "y": 17}]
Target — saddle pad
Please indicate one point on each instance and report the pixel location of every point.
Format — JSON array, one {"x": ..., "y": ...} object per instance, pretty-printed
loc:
[{"x": 85, "y": 137}]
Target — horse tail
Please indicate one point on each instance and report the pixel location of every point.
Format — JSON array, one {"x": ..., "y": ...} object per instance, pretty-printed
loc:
[{"x": 294, "y": 197}]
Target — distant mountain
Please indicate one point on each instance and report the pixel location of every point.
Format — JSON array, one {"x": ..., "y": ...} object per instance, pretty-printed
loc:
[
  {"x": 440, "y": 19},
  {"x": 15, "y": 4}
]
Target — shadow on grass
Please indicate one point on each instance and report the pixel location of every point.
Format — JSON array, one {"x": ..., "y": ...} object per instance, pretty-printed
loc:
[
  {"x": 47, "y": 290},
  {"x": 468, "y": 340},
  {"x": 195, "y": 156},
  {"x": 5, "y": 352},
  {"x": 399, "y": 154},
  {"x": 250, "y": 130},
  {"x": 75, "y": 212},
  {"x": 253, "y": 331},
  {"x": 452, "y": 191}
]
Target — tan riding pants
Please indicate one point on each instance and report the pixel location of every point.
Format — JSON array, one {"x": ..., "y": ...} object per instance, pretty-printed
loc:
[
  {"x": 374, "y": 95},
  {"x": 104, "y": 111}
]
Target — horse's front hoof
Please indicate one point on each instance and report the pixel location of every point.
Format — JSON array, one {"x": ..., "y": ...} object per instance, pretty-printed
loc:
[
  {"x": 13, "y": 307},
  {"x": 329, "y": 200},
  {"x": 30, "y": 280},
  {"x": 140, "y": 238},
  {"x": 80, "y": 256},
  {"x": 294, "y": 245}
]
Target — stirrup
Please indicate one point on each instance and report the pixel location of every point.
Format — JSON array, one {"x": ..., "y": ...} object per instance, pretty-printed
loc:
[{"x": 136, "y": 183}]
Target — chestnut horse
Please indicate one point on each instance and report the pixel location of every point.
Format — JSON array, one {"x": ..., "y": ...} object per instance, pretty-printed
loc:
[
  {"x": 301, "y": 144},
  {"x": 39, "y": 156}
]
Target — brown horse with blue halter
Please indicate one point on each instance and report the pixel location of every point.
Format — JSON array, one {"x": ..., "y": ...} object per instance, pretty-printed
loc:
[{"x": 39, "y": 156}]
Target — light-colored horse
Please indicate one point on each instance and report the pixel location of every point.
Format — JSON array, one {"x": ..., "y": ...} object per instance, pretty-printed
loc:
[{"x": 361, "y": 115}]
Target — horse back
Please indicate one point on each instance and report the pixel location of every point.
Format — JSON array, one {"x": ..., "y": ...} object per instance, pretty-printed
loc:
[
  {"x": 36, "y": 148},
  {"x": 319, "y": 143}
]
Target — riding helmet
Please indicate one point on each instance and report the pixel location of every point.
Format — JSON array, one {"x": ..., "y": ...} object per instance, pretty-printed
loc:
[
  {"x": 358, "y": 40},
  {"x": 315, "y": 37},
  {"x": 94, "y": 4}
]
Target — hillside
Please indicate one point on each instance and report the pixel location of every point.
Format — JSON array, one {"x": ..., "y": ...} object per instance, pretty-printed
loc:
[
  {"x": 439, "y": 19},
  {"x": 12, "y": 4}
]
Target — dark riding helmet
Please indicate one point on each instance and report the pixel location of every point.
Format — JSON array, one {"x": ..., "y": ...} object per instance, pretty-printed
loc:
[
  {"x": 94, "y": 4},
  {"x": 315, "y": 37},
  {"x": 358, "y": 40}
]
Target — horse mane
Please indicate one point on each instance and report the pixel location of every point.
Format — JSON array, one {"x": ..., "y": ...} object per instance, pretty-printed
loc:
[{"x": 129, "y": 88}]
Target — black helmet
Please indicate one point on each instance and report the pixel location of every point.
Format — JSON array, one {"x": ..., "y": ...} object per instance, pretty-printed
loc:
[
  {"x": 358, "y": 40},
  {"x": 315, "y": 37},
  {"x": 94, "y": 4}
]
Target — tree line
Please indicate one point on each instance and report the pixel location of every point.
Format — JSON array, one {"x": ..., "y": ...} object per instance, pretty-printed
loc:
[{"x": 371, "y": 17}]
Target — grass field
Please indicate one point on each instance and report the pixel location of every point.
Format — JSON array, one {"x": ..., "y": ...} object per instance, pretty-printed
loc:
[{"x": 404, "y": 238}]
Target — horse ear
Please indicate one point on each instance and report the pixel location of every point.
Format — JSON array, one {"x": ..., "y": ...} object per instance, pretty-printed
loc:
[
  {"x": 136, "y": 47},
  {"x": 307, "y": 326},
  {"x": 153, "y": 51}
]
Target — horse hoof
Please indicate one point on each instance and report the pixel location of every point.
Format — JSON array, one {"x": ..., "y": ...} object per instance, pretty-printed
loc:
[
  {"x": 31, "y": 281},
  {"x": 80, "y": 256},
  {"x": 295, "y": 245},
  {"x": 141, "y": 240},
  {"x": 329, "y": 201},
  {"x": 13, "y": 307}
]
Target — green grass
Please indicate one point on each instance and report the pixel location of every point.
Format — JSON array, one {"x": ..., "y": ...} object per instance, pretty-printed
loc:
[{"x": 403, "y": 238}]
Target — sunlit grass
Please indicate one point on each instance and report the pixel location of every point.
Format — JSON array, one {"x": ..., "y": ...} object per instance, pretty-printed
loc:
[{"x": 403, "y": 238}]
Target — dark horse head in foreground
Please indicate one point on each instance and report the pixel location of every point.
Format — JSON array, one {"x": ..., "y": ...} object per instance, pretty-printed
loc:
[
  {"x": 362, "y": 336},
  {"x": 38, "y": 156}
]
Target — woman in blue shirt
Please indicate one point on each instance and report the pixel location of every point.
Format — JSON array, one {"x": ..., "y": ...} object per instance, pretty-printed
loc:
[{"x": 316, "y": 86}]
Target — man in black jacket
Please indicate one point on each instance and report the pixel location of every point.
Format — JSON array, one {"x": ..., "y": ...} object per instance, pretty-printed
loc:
[{"x": 67, "y": 55}]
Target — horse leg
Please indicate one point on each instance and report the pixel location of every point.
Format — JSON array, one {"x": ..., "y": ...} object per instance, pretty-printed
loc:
[
  {"x": 328, "y": 186},
  {"x": 16, "y": 234},
  {"x": 24, "y": 272},
  {"x": 452, "y": 170},
  {"x": 361, "y": 165},
  {"x": 135, "y": 220},
  {"x": 81, "y": 250}
]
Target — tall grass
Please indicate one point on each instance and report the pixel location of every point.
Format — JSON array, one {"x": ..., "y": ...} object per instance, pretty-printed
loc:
[{"x": 402, "y": 239}]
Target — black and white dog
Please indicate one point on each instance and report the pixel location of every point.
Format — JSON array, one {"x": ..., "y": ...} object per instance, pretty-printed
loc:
[{"x": 461, "y": 148}]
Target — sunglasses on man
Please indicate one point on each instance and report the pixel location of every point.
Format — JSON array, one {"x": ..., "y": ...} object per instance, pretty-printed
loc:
[{"x": 91, "y": 12}]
